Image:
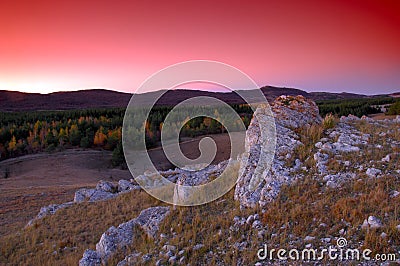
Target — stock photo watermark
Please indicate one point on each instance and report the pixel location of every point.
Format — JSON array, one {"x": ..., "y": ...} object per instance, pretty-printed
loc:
[{"x": 340, "y": 252}]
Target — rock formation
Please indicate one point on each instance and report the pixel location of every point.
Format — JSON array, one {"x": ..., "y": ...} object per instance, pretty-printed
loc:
[{"x": 290, "y": 113}]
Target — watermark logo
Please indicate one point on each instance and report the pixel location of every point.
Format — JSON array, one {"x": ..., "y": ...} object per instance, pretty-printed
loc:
[
  {"x": 340, "y": 252},
  {"x": 137, "y": 118}
]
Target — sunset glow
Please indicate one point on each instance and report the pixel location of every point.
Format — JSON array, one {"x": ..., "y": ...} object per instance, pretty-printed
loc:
[{"x": 350, "y": 46}]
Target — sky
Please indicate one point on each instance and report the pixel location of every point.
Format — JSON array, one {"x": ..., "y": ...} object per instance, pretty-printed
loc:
[{"x": 336, "y": 46}]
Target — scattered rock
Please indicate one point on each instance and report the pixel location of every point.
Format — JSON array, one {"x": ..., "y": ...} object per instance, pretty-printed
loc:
[
  {"x": 198, "y": 246},
  {"x": 386, "y": 159},
  {"x": 394, "y": 194},
  {"x": 249, "y": 219},
  {"x": 309, "y": 238},
  {"x": 372, "y": 222},
  {"x": 257, "y": 224},
  {"x": 172, "y": 259},
  {"x": 106, "y": 186},
  {"x": 373, "y": 172},
  {"x": 125, "y": 185},
  {"x": 169, "y": 248}
]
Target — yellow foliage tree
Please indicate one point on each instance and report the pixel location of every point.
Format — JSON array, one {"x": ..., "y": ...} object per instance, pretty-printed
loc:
[
  {"x": 12, "y": 145},
  {"x": 99, "y": 138}
]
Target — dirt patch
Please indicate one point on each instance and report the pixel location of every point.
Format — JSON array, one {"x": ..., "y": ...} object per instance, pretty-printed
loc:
[
  {"x": 382, "y": 116},
  {"x": 41, "y": 179}
]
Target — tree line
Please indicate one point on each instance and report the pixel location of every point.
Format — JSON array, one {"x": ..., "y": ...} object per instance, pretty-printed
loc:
[
  {"x": 24, "y": 133},
  {"x": 357, "y": 107}
]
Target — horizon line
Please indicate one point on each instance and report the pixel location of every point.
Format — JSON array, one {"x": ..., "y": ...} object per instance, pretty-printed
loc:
[{"x": 195, "y": 89}]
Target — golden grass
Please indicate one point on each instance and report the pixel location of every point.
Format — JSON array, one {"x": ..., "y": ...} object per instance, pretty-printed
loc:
[{"x": 62, "y": 238}]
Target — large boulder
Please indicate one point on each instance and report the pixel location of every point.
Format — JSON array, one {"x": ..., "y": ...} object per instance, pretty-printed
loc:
[{"x": 290, "y": 114}]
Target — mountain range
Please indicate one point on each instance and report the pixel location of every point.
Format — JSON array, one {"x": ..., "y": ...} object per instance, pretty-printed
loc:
[{"x": 11, "y": 101}]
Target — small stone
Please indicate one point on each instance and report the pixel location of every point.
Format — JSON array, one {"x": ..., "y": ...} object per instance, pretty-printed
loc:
[
  {"x": 373, "y": 172},
  {"x": 331, "y": 184},
  {"x": 180, "y": 253},
  {"x": 170, "y": 254},
  {"x": 198, "y": 246},
  {"x": 394, "y": 194},
  {"x": 261, "y": 233},
  {"x": 326, "y": 239},
  {"x": 386, "y": 159},
  {"x": 250, "y": 219},
  {"x": 172, "y": 259},
  {"x": 365, "y": 224},
  {"x": 309, "y": 238},
  {"x": 146, "y": 257},
  {"x": 308, "y": 245},
  {"x": 374, "y": 222},
  {"x": 383, "y": 235},
  {"x": 257, "y": 224},
  {"x": 398, "y": 227},
  {"x": 341, "y": 231},
  {"x": 318, "y": 145},
  {"x": 169, "y": 248}
]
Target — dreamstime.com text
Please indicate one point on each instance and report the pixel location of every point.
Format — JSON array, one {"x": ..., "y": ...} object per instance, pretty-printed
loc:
[{"x": 339, "y": 252}]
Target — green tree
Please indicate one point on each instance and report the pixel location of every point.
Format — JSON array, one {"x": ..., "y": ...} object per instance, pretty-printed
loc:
[{"x": 394, "y": 109}]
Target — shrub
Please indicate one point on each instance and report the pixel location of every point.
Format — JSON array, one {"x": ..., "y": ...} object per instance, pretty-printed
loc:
[
  {"x": 85, "y": 142},
  {"x": 118, "y": 157},
  {"x": 329, "y": 121}
]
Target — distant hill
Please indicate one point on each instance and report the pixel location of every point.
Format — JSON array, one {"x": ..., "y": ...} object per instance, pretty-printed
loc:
[{"x": 100, "y": 98}]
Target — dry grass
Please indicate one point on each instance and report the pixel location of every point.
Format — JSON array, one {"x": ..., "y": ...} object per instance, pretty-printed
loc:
[
  {"x": 304, "y": 206},
  {"x": 62, "y": 238}
]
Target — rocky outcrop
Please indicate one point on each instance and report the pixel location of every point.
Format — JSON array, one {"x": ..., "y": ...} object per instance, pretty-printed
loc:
[
  {"x": 49, "y": 210},
  {"x": 104, "y": 190},
  {"x": 290, "y": 113},
  {"x": 182, "y": 177},
  {"x": 122, "y": 236},
  {"x": 92, "y": 194}
]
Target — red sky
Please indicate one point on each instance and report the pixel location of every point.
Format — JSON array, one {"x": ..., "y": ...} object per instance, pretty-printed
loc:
[{"x": 339, "y": 45}]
